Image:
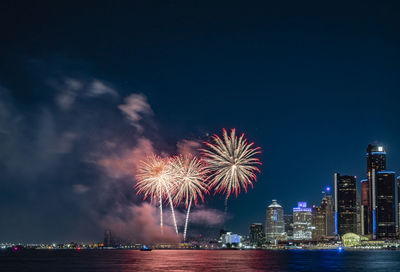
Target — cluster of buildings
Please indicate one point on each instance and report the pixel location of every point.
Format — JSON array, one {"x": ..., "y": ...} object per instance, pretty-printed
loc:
[{"x": 372, "y": 212}]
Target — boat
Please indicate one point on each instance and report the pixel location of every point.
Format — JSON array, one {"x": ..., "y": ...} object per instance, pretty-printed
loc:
[{"x": 145, "y": 248}]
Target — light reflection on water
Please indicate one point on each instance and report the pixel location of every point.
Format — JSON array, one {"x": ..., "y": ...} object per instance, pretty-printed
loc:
[{"x": 201, "y": 260}]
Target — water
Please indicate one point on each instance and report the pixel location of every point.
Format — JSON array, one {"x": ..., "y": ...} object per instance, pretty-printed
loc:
[{"x": 201, "y": 260}]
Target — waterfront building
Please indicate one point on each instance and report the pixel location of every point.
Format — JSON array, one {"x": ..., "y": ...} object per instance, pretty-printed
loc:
[
  {"x": 230, "y": 238},
  {"x": 376, "y": 161},
  {"x": 329, "y": 206},
  {"x": 302, "y": 222},
  {"x": 358, "y": 203},
  {"x": 288, "y": 220},
  {"x": 352, "y": 239},
  {"x": 385, "y": 205},
  {"x": 318, "y": 222},
  {"x": 345, "y": 204},
  {"x": 274, "y": 224},
  {"x": 398, "y": 206},
  {"x": 364, "y": 211},
  {"x": 256, "y": 234}
]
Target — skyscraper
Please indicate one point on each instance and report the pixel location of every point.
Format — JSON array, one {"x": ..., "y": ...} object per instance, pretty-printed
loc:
[
  {"x": 288, "y": 219},
  {"x": 257, "y": 234},
  {"x": 329, "y": 206},
  {"x": 318, "y": 222},
  {"x": 376, "y": 161},
  {"x": 385, "y": 204},
  {"x": 345, "y": 204},
  {"x": 398, "y": 206},
  {"x": 364, "y": 207},
  {"x": 274, "y": 224},
  {"x": 302, "y": 222},
  {"x": 324, "y": 217}
]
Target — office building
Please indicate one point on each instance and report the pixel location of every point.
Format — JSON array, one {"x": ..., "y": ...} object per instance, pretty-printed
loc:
[
  {"x": 385, "y": 205},
  {"x": 376, "y": 161},
  {"x": 364, "y": 211},
  {"x": 302, "y": 222},
  {"x": 318, "y": 222},
  {"x": 288, "y": 220},
  {"x": 398, "y": 206},
  {"x": 345, "y": 204},
  {"x": 257, "y": 234},
  {"x": 329, "y": 206},
  {"x": 229, "y": 238},
  {"x": 274, "y": 224}
]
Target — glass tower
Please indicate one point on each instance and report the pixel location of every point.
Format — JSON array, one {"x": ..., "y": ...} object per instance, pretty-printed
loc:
[
  {"x": 385, "y": 204},
  {"x": 274, "y": 223},
  {"x": 345, "y": 204},
  {"x": 376, "y": 161}
]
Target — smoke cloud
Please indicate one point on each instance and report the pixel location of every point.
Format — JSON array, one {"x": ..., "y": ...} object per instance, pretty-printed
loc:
[
  {"x": 188, "y": 147},
  {"x": 76, "y": 162},
  {"x": 125, "y": 163},
  {"x": 134, "y": 107},
  {"x": 141, "y": 224}
]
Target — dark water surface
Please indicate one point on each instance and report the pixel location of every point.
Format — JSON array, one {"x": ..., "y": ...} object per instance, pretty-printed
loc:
[{"x": 201, "y": 260}]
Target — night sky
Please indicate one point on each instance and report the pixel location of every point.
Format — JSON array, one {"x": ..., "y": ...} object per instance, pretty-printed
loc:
[{"x": 311, "y": 83}]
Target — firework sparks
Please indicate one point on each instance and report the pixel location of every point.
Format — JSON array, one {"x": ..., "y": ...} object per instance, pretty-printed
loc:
[
  {"x": 190, "y": 174},
  {"x": 231, "y": 162},
  {"x": 154, "y": 180}
]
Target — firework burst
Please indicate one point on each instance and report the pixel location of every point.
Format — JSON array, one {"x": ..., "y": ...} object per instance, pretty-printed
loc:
[
  {"x": 231, "y": 162},
  {"x": 189, "y": 173},
  {"x": 154, "y": 180}
]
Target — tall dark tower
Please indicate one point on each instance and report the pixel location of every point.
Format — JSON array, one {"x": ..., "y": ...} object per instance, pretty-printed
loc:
[
  {"x": 398, "y": 205},
  {"x": 376, "y": 158},
  {"x": 376, "y": 161},
  {"x": 385, "y": 205},
  {"x": 345, "y": 204}
]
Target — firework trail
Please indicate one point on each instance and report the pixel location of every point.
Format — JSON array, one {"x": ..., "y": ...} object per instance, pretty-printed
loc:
[
  {"x": 190, "y": 174},
  {"x": 231, "y": 162},
  {"x": 154, "y": 180}
]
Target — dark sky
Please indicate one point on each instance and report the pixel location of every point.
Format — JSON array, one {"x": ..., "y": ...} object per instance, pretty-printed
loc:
[{"x": 311, "y": 83}]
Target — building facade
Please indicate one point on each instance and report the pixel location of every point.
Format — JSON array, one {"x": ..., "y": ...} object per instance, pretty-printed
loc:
[
  {"x": 376, "y": 161},
  {"x": 398, "y": 206},
  {"x": 257, "y": 234},
  {"x": 364, "y": 211},
  {"x": 385, "y": 205},
  {"x": 274, "y": 224},
  {"x": 329, "y": 206},
  {"x": 345, "y": 204},
  {"x": 302, "y": 222},
  {"x": 230, "y": 238},
  {"x": 288, "y": 219},
  {"x": 318, "y": 222}
]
